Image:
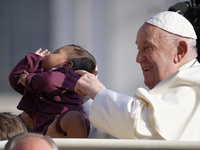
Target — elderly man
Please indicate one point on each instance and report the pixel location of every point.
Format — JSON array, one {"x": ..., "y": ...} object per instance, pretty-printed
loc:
[
  {"x": 30, "y": 141},
  {"x": 170, "y": 109}
]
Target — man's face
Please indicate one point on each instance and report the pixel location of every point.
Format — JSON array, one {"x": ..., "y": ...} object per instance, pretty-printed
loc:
[
  {"x": 57, "y": 59},
  {"x": 156, "y": 53}
]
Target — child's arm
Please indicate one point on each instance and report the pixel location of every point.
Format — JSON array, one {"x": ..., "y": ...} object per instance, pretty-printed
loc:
[
  {"x": 45, "y": 82},
  {"x": 55, "y": 82},
  {"x": 23, "y": 76},
  {"x": 30, "y": 63}
]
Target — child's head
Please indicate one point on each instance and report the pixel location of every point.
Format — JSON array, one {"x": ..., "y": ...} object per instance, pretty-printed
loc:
[{"x": 72, "y": 56}]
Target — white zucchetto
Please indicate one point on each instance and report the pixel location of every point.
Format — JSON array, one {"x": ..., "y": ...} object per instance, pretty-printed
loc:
[{"x": 174, "y": 23}]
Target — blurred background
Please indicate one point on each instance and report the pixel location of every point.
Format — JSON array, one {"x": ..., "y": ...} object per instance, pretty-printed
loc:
[{"x": 106, "y": 28}]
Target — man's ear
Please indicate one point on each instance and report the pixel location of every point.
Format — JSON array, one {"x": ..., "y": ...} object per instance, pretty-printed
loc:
[
  {"x": 182, "y": 49},
  {"x": 69, "y": 64}
]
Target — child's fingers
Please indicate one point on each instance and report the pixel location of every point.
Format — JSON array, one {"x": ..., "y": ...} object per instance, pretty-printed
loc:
[
  {"x": 47, "y": 53},
  {"x": 81, "y": 72},
  {"x": 25, "y": 72},
  {"x": 44, "y": 52},
  {"x": 21, "y": 75},
  {"x": 18, "y": 82},
  {"x": 38, "y": 51}
]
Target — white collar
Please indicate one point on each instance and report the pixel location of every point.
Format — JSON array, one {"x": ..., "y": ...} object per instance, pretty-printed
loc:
[{"x": 189, "y": 64}]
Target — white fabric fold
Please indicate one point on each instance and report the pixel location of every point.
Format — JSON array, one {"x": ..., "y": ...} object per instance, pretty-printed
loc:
[{"x": 169, "y": 111}]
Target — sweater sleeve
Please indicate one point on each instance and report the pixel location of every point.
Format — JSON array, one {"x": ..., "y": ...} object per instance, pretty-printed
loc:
[
  {"x": 30, "y": 64},
  {"x": 46, "y": 82},
  {"x": 55, "y": 82}
]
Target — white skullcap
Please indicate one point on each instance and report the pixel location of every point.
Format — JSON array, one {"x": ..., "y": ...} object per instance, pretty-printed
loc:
[{"x": 174, "y": 23}]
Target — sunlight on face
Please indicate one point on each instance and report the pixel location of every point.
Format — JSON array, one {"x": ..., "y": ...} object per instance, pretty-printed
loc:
[{"x": 155, "y": 54}]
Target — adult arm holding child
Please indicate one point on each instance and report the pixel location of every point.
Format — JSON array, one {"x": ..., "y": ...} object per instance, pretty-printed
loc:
[{"x": 170, "y": 109}]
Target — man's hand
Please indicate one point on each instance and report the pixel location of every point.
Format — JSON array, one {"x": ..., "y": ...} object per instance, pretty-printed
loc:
[
  {"x": 43, "y": 53},
  {"x": 88, "y": 84},
  {"x": 22, "y": 78}
]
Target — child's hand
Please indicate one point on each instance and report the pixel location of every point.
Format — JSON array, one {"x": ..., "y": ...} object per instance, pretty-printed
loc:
[
  {"x": 43, "y": 53},
  {"x": 22, "y": 78}
]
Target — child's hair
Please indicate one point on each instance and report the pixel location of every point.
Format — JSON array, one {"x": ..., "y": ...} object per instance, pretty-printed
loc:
[
  {"x": 83, "y": 64},
  {"x": 81, "y": 59}
]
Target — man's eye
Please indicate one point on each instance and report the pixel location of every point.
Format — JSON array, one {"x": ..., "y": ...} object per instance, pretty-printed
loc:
[{"x": 148, "y": 48}]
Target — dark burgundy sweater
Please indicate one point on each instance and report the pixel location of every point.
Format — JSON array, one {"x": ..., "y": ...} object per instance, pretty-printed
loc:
[{"x": 46, "y": 95}]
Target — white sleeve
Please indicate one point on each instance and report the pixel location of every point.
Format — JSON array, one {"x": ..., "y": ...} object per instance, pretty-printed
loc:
[
  {"x": 94, "y": 133},
  {"x": 115, "y": 114}
]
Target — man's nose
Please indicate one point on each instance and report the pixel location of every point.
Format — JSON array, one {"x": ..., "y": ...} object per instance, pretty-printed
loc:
[{"x": 140, "y": 57}]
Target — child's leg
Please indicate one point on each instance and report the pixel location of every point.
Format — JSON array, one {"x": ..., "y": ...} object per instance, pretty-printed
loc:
[{"x": 73, "y": 123}]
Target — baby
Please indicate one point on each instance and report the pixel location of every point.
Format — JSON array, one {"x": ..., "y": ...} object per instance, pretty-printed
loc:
[{"x": 47, "y": 83}]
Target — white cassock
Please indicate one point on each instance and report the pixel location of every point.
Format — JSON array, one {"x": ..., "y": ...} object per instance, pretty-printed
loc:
[
  {"x": 169, "y": 111},
  {"x": 94, "y": 132}
]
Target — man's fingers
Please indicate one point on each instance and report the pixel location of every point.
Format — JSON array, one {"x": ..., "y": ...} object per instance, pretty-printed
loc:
[
  {"x": 81, "y": 72},
  {"x": 79, "y": 91}
]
